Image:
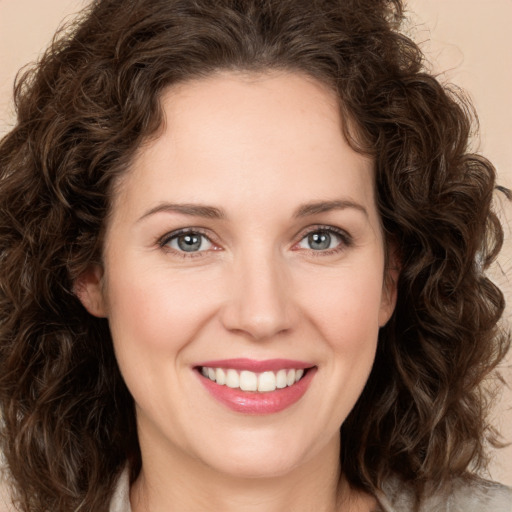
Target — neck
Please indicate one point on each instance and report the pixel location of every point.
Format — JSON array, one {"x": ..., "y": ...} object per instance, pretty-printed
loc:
[{"x": 173, "y": 482}]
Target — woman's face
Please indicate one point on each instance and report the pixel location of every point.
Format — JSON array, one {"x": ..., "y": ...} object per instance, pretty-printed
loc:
[{"x": 244, "y": 243}]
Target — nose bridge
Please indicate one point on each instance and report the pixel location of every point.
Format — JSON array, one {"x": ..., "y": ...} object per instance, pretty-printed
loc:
[{"x": 259, "y": 303}]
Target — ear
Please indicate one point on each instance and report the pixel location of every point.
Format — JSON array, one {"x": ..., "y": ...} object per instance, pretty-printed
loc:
[
  {"x": 89, "y": 289},
  {"x": 389, "y": 287}
]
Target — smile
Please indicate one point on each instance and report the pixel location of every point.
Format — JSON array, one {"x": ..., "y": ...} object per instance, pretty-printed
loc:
[
  {"x": 256, "y": 387},
  {"x": 251, "y": 381}
]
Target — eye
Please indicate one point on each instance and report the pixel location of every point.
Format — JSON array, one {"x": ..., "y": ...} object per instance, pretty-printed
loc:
[
  {"x": 323, "y": 240},
  {"x": 188, "y": 242}
]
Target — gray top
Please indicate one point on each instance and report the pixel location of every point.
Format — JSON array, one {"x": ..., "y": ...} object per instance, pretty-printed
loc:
[{"x": 479, "y": 496}]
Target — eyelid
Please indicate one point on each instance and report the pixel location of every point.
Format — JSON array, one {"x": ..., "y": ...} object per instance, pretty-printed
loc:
[
  {"x": 346, "y": 238},
  {"x": 164, "y": 240}
]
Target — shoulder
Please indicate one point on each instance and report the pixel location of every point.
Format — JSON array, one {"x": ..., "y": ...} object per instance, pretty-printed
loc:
[
  {"x": 475, "y": 495},
  {"x": 120, "y": 500},
  {"x": 480, "y": 496},
  {"x": 5, "y": 493}
]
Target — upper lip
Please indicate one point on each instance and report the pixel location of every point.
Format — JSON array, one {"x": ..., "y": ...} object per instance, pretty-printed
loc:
[{"x": 255, "y": 365}]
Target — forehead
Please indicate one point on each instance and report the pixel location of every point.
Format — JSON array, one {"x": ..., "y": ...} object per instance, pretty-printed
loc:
[{"x": 275, "y": 139}]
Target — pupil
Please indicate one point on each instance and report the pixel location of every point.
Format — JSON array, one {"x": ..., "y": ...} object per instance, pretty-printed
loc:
[
  {"x": 319, "y": 241},
  {"x": 189, "y": 243}
]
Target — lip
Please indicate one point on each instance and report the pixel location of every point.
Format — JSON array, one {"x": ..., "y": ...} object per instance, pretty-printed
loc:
[
  {"x": 249, "y": 402},
  {"x": 252, "y": 365}
]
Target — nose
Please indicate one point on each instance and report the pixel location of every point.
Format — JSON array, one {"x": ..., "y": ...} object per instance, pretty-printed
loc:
[{"x": 260, "y": 298}]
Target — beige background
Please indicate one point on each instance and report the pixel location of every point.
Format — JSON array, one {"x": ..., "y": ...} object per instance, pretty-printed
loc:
[{"x": 469, "y": 42}]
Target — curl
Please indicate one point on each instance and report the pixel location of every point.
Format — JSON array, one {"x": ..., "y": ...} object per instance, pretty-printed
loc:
[{"x": 91, "y": 102}]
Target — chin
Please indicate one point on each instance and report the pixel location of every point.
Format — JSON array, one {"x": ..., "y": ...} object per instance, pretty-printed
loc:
[
  {"x": 256, "y": 468},
  {"x": 256, "y": 456}
]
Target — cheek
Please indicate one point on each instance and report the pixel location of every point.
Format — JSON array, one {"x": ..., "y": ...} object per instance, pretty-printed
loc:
[
  {"x": 345, "y": 307},
  {"x": 344, "y": 312},
  {"x": 158, "y": 311}
]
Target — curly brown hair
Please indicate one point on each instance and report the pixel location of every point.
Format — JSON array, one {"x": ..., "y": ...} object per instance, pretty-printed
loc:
[{"x": 68, "y": 422}]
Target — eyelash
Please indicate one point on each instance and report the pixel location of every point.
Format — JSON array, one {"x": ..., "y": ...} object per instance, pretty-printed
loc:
[
  {"x": 346, "y": 241},
  {"x": 168, "y": 237}
]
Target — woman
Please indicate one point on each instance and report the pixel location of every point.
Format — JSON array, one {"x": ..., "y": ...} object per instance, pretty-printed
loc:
[{"x": 229, "y": 230}]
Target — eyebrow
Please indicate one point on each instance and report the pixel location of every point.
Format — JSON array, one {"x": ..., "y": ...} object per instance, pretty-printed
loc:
[
  {"x": 196, "y": 210},
  {"x": 212, "y": 212},
  {"x": 326, "y": 206}
]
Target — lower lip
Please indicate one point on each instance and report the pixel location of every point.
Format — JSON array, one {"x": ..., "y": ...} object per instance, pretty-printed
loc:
[{"x": 250, "y": 402}]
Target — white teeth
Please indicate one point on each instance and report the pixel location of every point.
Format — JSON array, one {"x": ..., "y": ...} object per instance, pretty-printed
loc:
[
  {"x": 232, "y": 379},
  {"x": 220, "y": 376},
  {"x": 267, "y": 381},
  {"x": 250, "y": 381},
  {"x": 281, "y": 379}
]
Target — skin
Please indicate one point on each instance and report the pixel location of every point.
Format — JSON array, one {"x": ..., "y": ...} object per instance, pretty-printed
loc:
[{"x": 257, "y": 147}]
